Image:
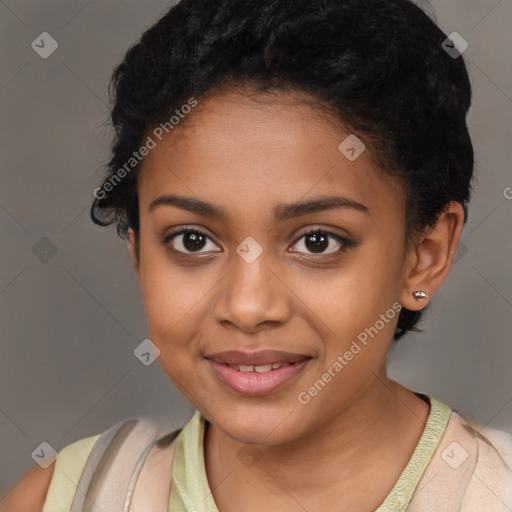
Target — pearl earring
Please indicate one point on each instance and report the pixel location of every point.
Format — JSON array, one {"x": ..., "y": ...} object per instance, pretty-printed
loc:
[{"x": 420, "y": 295}]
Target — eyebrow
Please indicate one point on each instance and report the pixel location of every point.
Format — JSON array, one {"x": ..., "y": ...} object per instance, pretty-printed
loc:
[{"x": 280, "y": 212}]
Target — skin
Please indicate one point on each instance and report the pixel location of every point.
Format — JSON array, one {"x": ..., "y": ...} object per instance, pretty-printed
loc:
[
  {"x": 29, "y": 494},
  {"x": 346, "y": 448}
]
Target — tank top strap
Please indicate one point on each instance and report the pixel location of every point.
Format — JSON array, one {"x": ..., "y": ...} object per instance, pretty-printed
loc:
[{"x": 127, "y": 468}]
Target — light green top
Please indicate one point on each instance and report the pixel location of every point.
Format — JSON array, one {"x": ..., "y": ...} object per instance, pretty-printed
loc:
[
  {"x": 66, "y": 474},
  {"x": 189, "y": 486},
  {"x": 190, "y": 491}
]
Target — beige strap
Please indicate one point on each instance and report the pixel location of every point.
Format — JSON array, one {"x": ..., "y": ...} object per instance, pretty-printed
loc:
[
  {"x": 151, "y": 482},
  {"x": 110, "y": 482},
  {"x": 103, "y": 451}
]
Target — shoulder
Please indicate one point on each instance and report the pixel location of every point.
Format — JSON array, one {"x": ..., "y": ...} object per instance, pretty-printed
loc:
[
  {"x": 490, "y": 486},
  {"x": 101, "y": 463},
  {"x": 69, "y": 466},
  {"x": 38, "y": 484},
  {"x": 30, "y": 491},
  {"x": 471, "y": 469},
  {"x": 55, "y": 488}
]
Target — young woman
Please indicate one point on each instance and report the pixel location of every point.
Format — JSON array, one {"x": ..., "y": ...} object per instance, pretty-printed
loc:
[{"x": 293, "y": 180}]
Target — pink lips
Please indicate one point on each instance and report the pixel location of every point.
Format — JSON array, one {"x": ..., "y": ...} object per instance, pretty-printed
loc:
[{"x": 254, "y": 383}]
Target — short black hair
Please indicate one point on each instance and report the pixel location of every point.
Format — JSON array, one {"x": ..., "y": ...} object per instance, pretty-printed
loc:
[{"x": 377, "y": 66}]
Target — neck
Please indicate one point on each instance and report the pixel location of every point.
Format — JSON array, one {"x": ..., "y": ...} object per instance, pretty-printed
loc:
[{"x": 371, "y": 440}]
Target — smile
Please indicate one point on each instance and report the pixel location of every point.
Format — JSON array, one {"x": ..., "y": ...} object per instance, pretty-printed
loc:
[{"x": 256, "y": 380}]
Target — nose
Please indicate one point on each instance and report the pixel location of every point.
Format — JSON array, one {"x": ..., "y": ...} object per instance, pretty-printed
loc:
[{"x": 252, "y": 297}]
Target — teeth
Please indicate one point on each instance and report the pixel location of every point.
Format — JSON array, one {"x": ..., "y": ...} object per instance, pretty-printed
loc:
[
  {"x": 263, "y": 368},
  {"x": 246, "y": 368}
]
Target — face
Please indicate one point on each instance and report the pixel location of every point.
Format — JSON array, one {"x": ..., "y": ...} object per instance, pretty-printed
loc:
[{"x": 271, "y": 273}]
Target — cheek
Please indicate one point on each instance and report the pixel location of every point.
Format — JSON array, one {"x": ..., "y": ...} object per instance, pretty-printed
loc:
[
  {"x": 356, "y": 308},
  {"x": 351, "y": 297},
  {"x": 172, "y": 324},
  {"x": 171, "y": 297},
  {"x": 168, "y": 291}
]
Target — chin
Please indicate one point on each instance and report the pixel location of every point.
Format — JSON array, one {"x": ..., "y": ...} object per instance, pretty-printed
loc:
[{"x": 258, "y": 425}]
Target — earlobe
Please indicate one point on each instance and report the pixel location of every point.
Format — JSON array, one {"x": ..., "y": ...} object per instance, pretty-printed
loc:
[{"x": 431, "y": 259}]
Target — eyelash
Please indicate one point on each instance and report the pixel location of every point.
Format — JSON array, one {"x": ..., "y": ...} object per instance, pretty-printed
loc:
[{"x": 345, "y": 243}]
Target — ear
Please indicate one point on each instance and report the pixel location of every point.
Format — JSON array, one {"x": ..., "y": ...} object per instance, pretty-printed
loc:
[
  {"x": 430, "y": 260},
  {"x": 132, "y": 247}
]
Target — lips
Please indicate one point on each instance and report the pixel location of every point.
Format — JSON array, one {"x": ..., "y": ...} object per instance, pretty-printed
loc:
[
  {"x": 257, "y": 373},
  {"x": 260, "y": 358}
]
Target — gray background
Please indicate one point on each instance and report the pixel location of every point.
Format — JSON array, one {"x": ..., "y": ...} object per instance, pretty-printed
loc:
[{"x": 69, "y": 325}]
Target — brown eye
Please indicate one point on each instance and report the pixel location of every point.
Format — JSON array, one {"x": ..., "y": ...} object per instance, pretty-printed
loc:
[
  {"x": 318, "y": 241},
  {"x": 188, "y": 241}
]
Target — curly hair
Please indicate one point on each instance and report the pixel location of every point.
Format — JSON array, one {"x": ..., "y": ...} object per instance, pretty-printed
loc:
[{"x": 376, "y": 66}]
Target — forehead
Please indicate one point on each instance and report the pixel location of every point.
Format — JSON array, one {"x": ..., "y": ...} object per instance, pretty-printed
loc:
[{"x": 245, "y": 154}]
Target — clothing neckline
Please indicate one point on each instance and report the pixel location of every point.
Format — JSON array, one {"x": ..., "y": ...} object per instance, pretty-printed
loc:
[
  {"x": 190, "y": 489},
  {"x": 402, "y": 492}
]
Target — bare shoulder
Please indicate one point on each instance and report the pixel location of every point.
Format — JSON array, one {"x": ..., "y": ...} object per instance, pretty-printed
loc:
[{"x": 29, "y": 493}]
